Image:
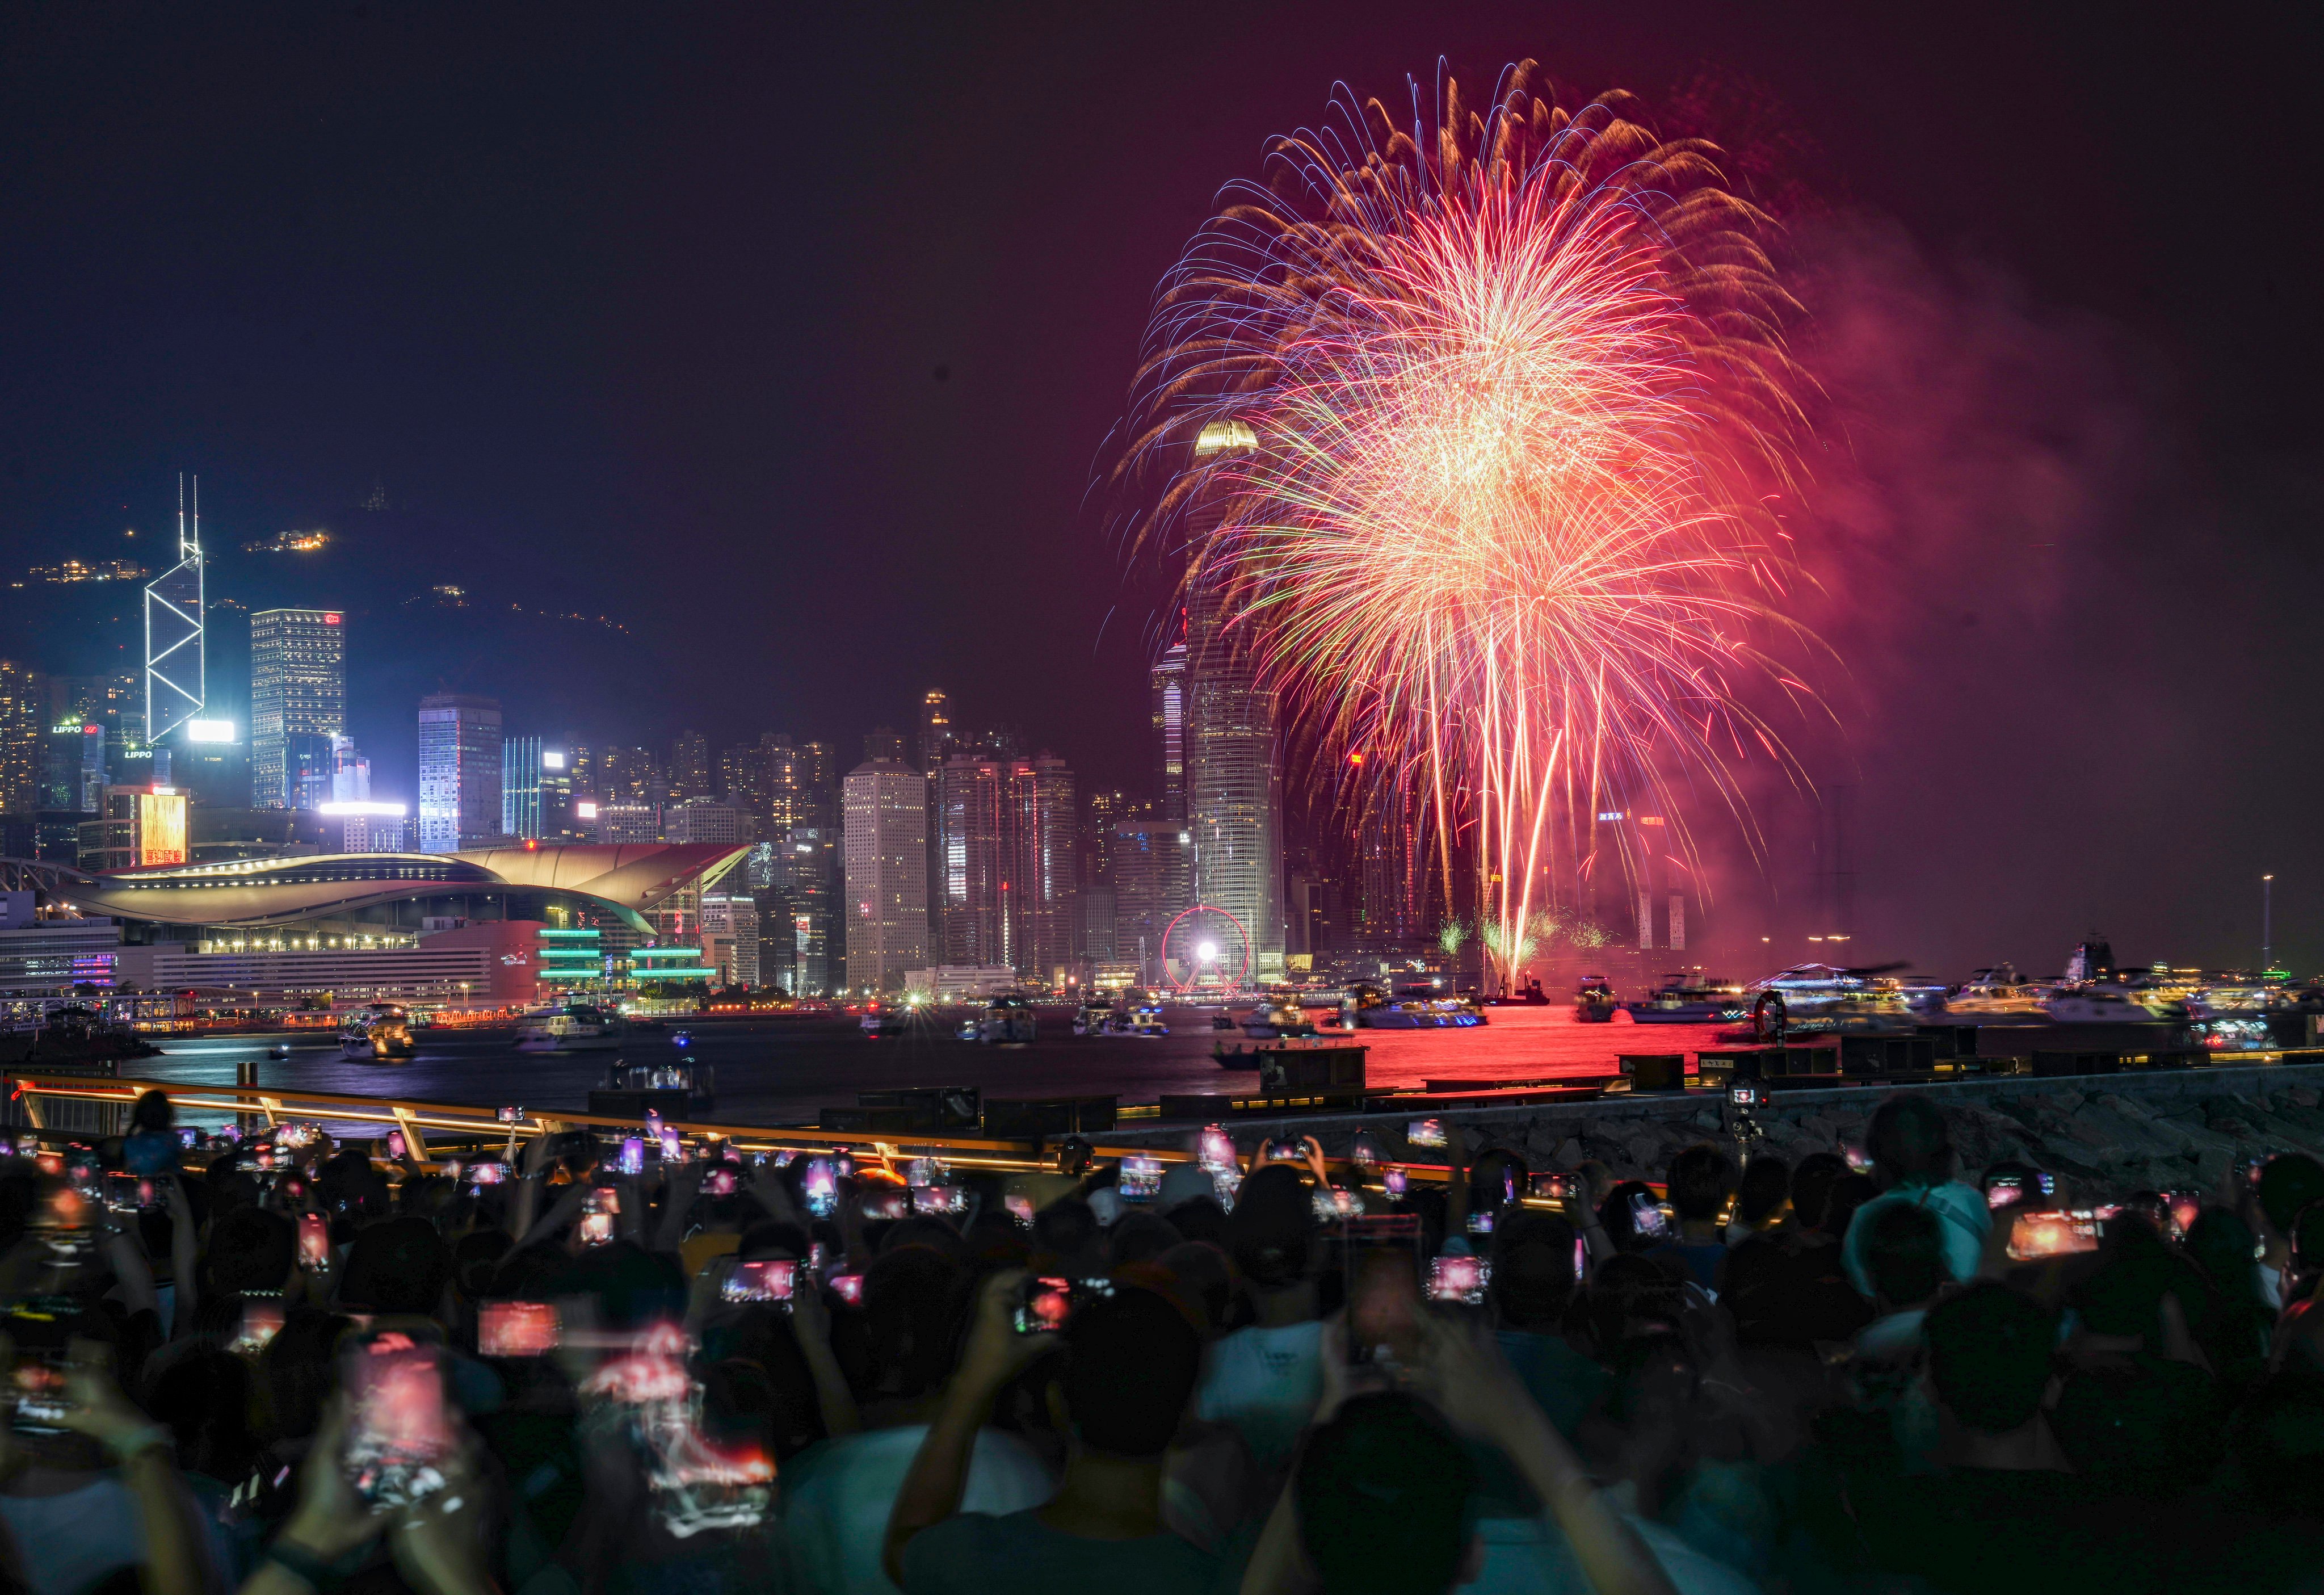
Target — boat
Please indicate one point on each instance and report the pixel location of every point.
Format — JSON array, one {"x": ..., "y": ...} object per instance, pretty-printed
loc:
[
  {"x": 378, "y": 1034},
  {"x": 1276, "y": 1019},
  {"x": 1006, "y": 1021},
  {"x": 1145, "y": 1020},
  {"x": 1997, "y": 994},
  {"x": 571, "y": 1027},
  {"x": 1687, "y": 999},
  {"x": 1092, "y": 1019},
  {"x": 877, "y": 1022},
  {"x": 279, "y": 1049},
  {"x": 1823, "y": 999},
  {"x": 1222, "y": 1021},
  {"x": 1593, "y": 1000},
  {"x": 2101, "y": 1004}
]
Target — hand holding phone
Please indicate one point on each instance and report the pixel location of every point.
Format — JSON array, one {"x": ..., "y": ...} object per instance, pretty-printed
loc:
[
  {"x": 1462, "y": 1279},
  {"x": 1046, "y": 1304},
  {"x": 400, "y": 1424},
  {"x": 314, "y": 1242},
  {"x": 518, "y": 1329},
  {"x": 2052, "y": 1234},
  {"x": 1140, "y": 1179},
  {"x": 761, "y": 1279}
]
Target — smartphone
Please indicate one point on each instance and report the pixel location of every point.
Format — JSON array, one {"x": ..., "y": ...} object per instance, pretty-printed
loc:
[
  {"x": 632, "y": 1158},
  {"x": 1556, "y": 1187},
  {"x": 842, "y": 1163},
  {"x": 1020, "y": 1208},
  {"x": 1858, "y": 1160},
  {"x": 720, "y": 1181},
  {"x": 1647, "y": 1218},
  {"x": 1046, "y": 1303},
  {"x": 293, "y": 1134},
  {"x": 188, "y": 1137},
  {"x": 39, "y": 1398},
  {"x": 262, "y": 1321},
  {"x": 886, "y": 1203},
  {"x": 598, "y": 1209},
  {"x": 820, "y": 1187},
  {"x": 510, "y": 1115},
  {"x": 1459, "y": 1279},
  {"x": 488, "y": 1174},
  {"x": 131, "y": 1193},
  {"x": 762, "y": 1279},
  {"x": 924, "y": 1171},
  {"x": 518, "y": 1329},
  {"x": 1334, "y": 1204},
  {"x": 2006, "y": 1190},
  {"x": 1480, "y": 1223},
  {"x": 1395, "y": 1179},
  {"x": 848, "y": 1289},
  {"x": 2054, "y": 1234},
  {"x": 1580, "y": 1259},
  {"x": 2186, "y": 1207},
  {"x": 1285, "y": 1149},
  {"x": 945, "y": 1199},
  {"x": 1425, "y": 1132},
  {"x": 1380, "y": 1262},
  {"x": 396, "y": 1144},
  {"x": 1748, "y": 1096},
  {"x": 399, "y": 1428},
  {"x": 1215, "y": 1148},
  {"x": 1139, "y": 1179},
  {"x": 673, "y": 1149},
  {"x": 314, "y": 1242}
]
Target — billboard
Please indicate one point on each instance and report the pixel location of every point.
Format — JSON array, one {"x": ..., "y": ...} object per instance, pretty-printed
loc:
[{"x": 161, "y": 828}]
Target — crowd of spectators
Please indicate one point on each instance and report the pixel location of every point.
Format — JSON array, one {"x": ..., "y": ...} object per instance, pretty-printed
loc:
[{"x": 296, "y": 1367}]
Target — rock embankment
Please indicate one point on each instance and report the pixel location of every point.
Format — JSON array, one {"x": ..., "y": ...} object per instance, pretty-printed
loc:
[{"x": 2162, "y": 1130}]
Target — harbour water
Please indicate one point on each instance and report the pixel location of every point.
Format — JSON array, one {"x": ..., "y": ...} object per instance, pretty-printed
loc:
[{"x": 776, "y": 1071}]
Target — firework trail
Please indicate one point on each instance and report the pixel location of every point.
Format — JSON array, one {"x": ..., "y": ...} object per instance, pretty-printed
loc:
[{"x": 1473, "y": 431}]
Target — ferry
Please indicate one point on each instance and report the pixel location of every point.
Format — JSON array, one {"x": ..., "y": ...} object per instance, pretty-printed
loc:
[
  {"x": 1275, "y": 1018},
  {"x": 877, "y": 1022},
  {"x": 2105, "y": 1003},
  {"x": 378, "y": 1033},
  {"x": 1006, "y": 1021},
  {"x": 1997, "y": 994},
  {"x": 1092, "y": 1019},
  {"x": 1144, "y": 1021},
  {"x": 1687, "y": 999},
  {"x": 572, "y": 1027}
]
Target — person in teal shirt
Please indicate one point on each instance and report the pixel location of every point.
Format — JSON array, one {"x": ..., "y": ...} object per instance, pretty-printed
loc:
[{"x": 1912, "y": 1161}]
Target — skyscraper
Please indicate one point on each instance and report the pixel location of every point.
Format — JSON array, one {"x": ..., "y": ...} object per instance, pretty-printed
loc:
[
  {"x": 690, "y": 766},
  {"x": 1150, "y": 864},
  {"x": 174, "y": 631},
  {"x": 21, "y": 723},
  {"x": 786, "y": 784},
  {"x": 520, "y": 788},
  {"x": 1043, "y": 888},
  {"x": 935, "y": 729},
  {"x": 298, "y": 687},
  {"x": 973, "y": 851},
  {"x": 884, "y": 743},
  {"x": 1234, "y": 807},
  {"x": 1167, "y": 680},
  {"x": 1009, "y": 870},
  {"x": 884, "y": 802},
  {"x": 459, "y": 771}
]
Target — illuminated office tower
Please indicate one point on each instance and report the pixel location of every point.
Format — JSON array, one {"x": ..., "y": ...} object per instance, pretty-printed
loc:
[
  {"x": 1149, "y": 861},
  {"x": 1045, "y": 878},
  {"x": 174, "y": 638},
  {"x": 972, "y": 849},
  {"x": 23, "y": 722},
  {"x": 730, "y": 933},
  {"x": 72, "y": 768},
  {"x": 884, "y": 843},
  {"x": 690, "y": 766},
  {"x": 1168, "y": 682},
  {"x": 459, "y": 771},
  {"x": 520, "y": 788},
  {"x": 935, "y": 729},
  {"x": 1234, "y": 809},
  {"x": 785, "y": 785},
  {"x": 556, "y": 795},
  {"x": 298, "y": 689}
]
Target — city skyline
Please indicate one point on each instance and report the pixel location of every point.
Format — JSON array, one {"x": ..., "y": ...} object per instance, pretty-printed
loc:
[{"x": 600, "y": 460}]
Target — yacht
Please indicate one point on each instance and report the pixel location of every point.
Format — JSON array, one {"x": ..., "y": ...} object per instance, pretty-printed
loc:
[
  {"x": 379, "y": 1032},
  {"x": 1144, "y": 1020},
  {"x": 1092, "y": 1019},
  {"x": 2103, "y": 1004},
  {"x": 1997, "y": 994},
  {"x": 877, "y": 1022},
  {"x": 1822, "y": 999},
  {"x": 1687, "y": 999},
  {"x": 571, "y": 1027}
]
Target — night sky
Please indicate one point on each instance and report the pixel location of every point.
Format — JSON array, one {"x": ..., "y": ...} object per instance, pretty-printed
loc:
[{"x": 788, "y": 340}]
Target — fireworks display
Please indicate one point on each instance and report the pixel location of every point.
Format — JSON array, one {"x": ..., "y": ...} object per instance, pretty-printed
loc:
[{"x": 1475, "y": 429}]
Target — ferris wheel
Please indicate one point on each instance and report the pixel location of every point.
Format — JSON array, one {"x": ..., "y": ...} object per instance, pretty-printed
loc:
[{"x": 1206, "y": 948}]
